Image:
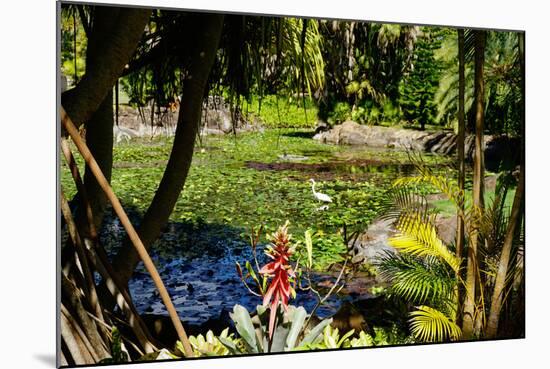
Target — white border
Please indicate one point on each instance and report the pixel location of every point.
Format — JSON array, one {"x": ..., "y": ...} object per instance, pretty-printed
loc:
[{"x": 28, "y": 190}]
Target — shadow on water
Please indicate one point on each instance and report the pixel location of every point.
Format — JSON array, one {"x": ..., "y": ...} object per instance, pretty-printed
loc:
[
  {"x": 299, "y": 134},
  {"x": 197, "y": 264},
  {"x": 338, "y": 168}
]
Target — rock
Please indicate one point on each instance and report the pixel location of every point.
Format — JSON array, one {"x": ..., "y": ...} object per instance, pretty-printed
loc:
[
  {"x": 373, "y": 243},
  {"x": 321, "y": 127},
  {"x": 499, "y": 149},
  {"x": 446, "y": 228}
]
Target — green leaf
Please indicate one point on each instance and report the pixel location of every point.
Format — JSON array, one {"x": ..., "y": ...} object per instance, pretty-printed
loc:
[
  {"x": 315, "y": 332},
  {"x": 229, "y": 344},
  {"x": 244, "y": 326},
  {"x": 298, "y": 316},
  {"x": 431, "y": 325}
]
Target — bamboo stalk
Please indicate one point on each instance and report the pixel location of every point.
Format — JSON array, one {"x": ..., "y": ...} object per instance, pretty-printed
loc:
[{"x": 132, "y": 234}]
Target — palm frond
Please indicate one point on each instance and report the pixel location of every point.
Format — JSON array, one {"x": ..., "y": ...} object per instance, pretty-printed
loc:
[
  {"x": 431, "y": 325},
  {"x": 444, "y": 184},
  {"x": 418, "y": 237},
  {"x": 399, "y": 200},
  {"x": 417, "y": 280}
]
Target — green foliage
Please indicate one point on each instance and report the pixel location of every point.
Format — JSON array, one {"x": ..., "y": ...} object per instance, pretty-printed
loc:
[
  {"x": 209, "y": 345},
  {"x": 340, "y": 113},
  {"x": 430, "y": 325},
  {"x": 278, "y": 112},
  {"x": 418, "y": 87},
  {"x": 331, "y": 339},
  {"x": 118, "y": 351},
  {"x": 71, "y": 31},
  {"x": 424, "y": 270},
  {"x": 502, "y": 77},
  {"x": 417, "y": 237},
  {"x": 289, "y": 332},
  {"x": 418, "y": 280}
]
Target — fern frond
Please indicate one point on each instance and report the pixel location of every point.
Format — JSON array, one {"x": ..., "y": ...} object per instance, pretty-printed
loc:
[
  {"x": 431, "y": 325},
  {"x": 418, "y": 237}
]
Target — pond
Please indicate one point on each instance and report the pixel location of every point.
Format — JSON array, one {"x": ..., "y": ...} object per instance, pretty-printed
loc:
[{"x": 236, "y": 183}]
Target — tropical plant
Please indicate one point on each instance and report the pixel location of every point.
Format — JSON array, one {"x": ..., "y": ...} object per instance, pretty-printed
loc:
[
  {"x": 428, "y": 273},
  {"x": 210, "y": 345},
  {"x": 290, "y": 332},
  {"x": 285, "y": 277},
  {"x": 281, "y": 273},
  {"x": 502, "y": 81},
  {"x": 330, "y": 339},
  {"x": 423, "y": 272},
  {"x": 419, "y": 85}
]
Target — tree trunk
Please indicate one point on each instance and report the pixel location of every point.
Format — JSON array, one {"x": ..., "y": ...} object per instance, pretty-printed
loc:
[
  {"x": 502, "y": 272},
  {"x": 515, "y": 217},
  {"x": 99, "y": 129},
  {"x": 199, "y": 61},
  {"x": 115, "y": 47},
  {"x": 472, "y": 271},
  {"x": 460, "y": 157}
]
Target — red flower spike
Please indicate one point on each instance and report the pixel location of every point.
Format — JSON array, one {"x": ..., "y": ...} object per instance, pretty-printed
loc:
[{"x": 280, "y": 270}]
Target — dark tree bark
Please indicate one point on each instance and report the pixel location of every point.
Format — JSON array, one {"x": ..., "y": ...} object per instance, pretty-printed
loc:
[
  {"x": 206, "y": 31},
  {"x": 115, "y": 47},
  {"x": 472, "y": 272},
  {"x": 99, "y": 128}
]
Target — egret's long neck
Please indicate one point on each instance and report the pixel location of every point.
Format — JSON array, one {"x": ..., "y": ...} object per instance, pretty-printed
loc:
[{"x": 313, "y": 187}]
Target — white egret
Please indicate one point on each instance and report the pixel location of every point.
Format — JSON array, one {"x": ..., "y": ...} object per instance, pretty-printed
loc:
[{"x": 319, "y": 196}]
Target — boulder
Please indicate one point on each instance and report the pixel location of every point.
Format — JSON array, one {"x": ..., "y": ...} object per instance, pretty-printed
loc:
[
  {"x": 373, "y": 243},
  {"x": 369, "y": 246},
  {"x": 499, "y": 149}
]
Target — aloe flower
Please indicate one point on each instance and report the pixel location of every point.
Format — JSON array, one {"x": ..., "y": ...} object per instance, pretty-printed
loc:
[{"x": 280, "y": 271}]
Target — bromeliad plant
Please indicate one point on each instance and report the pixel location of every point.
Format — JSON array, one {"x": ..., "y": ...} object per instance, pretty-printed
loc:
[
  {"x": 281, "y": 273},
  {"x": 276, "y": 283},
  {"x": 279, "y": 270},
  {"x": 290, "y": 332}
]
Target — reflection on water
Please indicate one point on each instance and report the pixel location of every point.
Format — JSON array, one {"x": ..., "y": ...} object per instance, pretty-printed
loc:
[{"x": 201, "y": 280}]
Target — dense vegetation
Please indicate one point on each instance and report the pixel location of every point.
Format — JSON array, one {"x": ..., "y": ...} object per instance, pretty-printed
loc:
[{"x": 280, "y": 76}]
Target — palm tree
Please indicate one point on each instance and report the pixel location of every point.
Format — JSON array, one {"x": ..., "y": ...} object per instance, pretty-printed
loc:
[
  {"x": 460, "y": 152},
  {"x": 507, "y": 252},
  {"x": 470, "y": 313}
]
